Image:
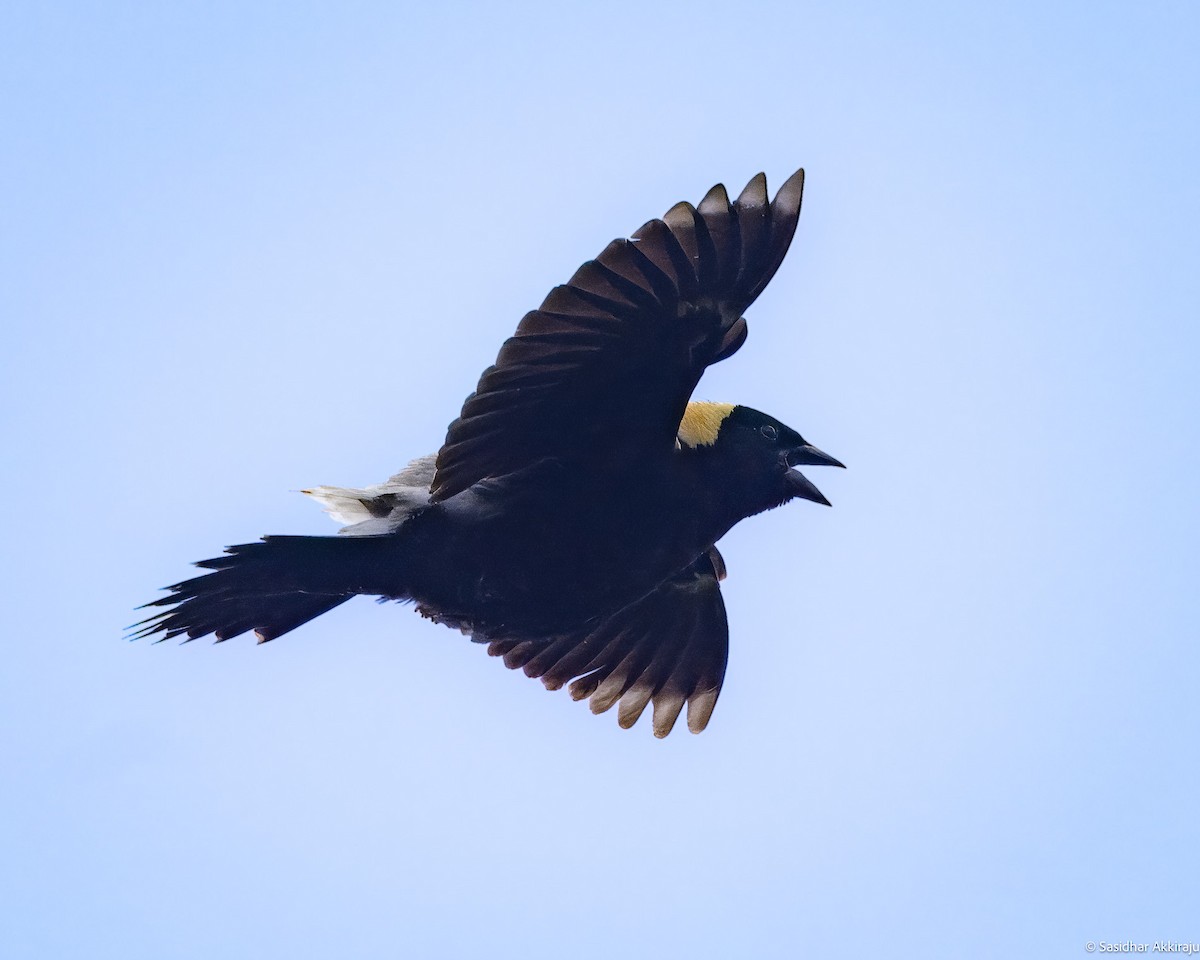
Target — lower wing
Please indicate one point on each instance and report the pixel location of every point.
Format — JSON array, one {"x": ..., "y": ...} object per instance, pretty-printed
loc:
[{"x": 669, "y": 648}]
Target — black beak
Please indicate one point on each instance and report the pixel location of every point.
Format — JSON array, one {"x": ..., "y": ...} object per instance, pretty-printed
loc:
[
  {"x": 808, "y": 455},
  {"x": 804, "y": 488}
]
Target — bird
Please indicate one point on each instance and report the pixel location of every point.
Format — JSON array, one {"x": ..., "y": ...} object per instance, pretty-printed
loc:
[{"x": 570, "y": 519}]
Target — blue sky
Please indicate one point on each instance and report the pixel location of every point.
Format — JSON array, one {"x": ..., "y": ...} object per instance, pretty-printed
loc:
[{"x": 248, "y": 250}]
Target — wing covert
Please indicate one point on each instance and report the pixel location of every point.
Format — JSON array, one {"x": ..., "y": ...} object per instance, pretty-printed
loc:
[{"x": 603, "y": 370}]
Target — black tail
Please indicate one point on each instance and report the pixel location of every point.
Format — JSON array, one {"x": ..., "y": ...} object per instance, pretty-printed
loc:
[{"x": 273, "y": 586}]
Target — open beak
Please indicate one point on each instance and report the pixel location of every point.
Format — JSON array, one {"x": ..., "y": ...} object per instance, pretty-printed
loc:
[{"x": 808, "y": 455}]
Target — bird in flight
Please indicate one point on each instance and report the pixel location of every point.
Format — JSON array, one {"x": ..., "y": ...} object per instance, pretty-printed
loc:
[{"x": 570, "y": 519}]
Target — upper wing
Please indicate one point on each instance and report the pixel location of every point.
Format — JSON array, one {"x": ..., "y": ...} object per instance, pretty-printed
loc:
[
  {"x": 603, "y": 370},
  {"x": 669, "y": 648}
]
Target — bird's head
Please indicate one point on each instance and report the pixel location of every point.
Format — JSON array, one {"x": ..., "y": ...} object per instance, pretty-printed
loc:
[{"x": 754, "y": 451}]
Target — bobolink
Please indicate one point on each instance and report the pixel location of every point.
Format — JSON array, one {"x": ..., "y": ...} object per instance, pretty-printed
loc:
[{"x": 569, "y": 520}]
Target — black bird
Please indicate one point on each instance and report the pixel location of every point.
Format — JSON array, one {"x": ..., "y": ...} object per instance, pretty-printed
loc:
[{"x": 569, "y": 519}]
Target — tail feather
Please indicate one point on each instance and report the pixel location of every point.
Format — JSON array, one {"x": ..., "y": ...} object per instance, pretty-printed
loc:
[{"x": 270, "y": 587}]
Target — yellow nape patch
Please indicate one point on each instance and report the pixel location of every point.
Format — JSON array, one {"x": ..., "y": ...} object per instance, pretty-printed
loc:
[{"x": 701, "y": 422}]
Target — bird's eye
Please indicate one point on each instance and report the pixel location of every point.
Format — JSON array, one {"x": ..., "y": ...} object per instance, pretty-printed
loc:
[{"x": 769, "y": 431}]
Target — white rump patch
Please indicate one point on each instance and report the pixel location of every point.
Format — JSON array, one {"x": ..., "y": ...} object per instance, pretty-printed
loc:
[{"x": 382, "y": 507}]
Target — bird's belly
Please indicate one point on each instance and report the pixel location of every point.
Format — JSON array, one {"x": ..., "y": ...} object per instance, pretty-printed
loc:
[{"x": 543, "y": 570}]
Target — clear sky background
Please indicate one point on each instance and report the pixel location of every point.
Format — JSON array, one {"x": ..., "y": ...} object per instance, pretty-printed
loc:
[{"x": 253, "y": 247}]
